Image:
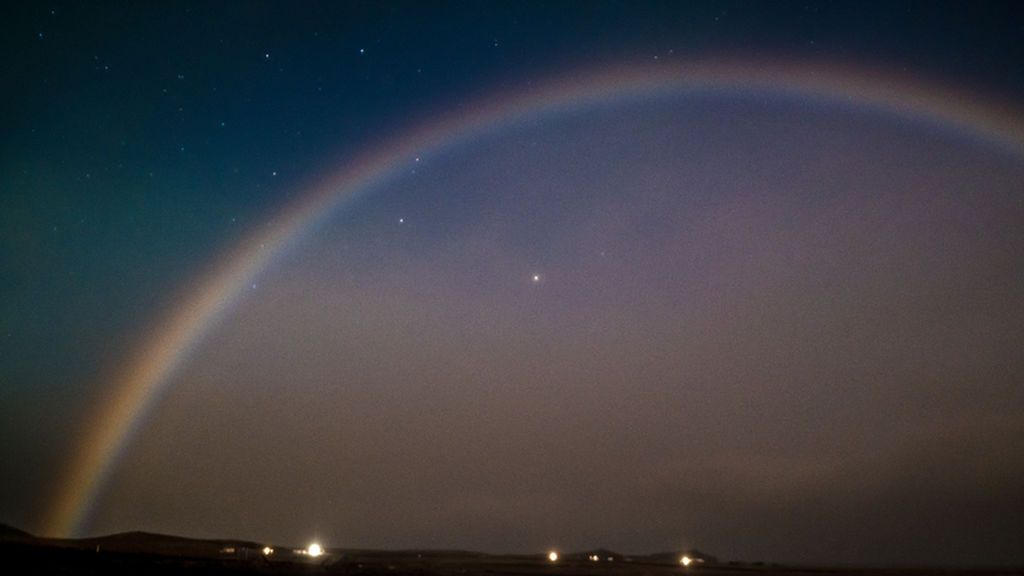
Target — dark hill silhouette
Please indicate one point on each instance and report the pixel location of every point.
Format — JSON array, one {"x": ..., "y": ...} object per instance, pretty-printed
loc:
[
  {"x": 165, "y": 544},
  {"x": 8, "y": 532},
  {"x": 131, "y": 553}
]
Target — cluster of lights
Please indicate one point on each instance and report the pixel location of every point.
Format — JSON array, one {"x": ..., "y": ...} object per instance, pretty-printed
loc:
[{"x": 315, "y": 550}]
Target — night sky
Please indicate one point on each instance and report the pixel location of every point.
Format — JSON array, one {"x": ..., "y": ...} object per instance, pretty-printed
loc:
[{"x": 769, "y": 324}]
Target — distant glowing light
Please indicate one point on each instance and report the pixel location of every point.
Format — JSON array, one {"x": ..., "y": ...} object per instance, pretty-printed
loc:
[
  {"x": 686, "y": 560},
  {"x": 314, "y": 550},
  {"x": 594, "y": 558},
  {"x": 553, "y": 556},
  {"x": 267, "y": 550},
  {"x": 536, "y": 278}
]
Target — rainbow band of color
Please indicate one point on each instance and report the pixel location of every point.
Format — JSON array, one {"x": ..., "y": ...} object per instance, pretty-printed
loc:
[{"x": 137, "y": 388}]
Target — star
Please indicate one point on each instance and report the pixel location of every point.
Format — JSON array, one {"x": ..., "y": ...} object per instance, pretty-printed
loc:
[{"x": 535, "y": 278}]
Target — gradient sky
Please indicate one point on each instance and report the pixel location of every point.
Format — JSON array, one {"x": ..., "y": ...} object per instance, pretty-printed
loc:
[{"x": 769, "y": 326}]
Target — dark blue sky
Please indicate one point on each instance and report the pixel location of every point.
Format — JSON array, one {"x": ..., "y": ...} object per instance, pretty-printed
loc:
[{"x": 141, "y": 140}]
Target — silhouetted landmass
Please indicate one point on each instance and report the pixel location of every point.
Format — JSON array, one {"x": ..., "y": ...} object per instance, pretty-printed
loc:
[
  {"x": 12, "y": 533},
  {"x": 161, "y": 554},
  {"x": 149, "y": 543}
]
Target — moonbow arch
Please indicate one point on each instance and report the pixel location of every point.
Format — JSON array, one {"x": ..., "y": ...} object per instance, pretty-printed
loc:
[{"x": 150, "y": 369}]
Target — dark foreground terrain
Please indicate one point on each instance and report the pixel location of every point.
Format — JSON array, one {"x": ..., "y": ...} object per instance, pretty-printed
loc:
[{"x": 143, "y": 553}]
